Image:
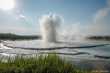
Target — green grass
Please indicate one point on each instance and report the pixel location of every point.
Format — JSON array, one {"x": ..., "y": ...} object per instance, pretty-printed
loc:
[{"x": 38, "y": 64}]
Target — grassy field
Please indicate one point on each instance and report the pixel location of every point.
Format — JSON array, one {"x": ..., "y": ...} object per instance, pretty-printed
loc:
[{"x": 38, "y": 64}]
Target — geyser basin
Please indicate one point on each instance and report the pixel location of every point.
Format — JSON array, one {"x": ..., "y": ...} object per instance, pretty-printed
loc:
[
  {"x": 49, "y": 24},
  {"x": 81, "y": 53}
]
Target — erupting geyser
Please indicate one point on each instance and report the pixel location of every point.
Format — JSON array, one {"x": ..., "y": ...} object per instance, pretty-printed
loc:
[{"x": 49, "y": 24}]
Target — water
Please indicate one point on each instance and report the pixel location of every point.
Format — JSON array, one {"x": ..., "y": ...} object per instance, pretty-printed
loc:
[
  {"x": 82, "y": 57},
  {"x": 79, "y": 53}
]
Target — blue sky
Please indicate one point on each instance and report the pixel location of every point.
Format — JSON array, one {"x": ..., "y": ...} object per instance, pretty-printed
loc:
[{"x": 87, "y": 15}]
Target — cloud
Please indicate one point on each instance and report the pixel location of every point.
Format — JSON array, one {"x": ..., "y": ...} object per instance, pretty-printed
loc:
[
  {"x": 22, "y": 16},
  {"x": 14, "y": 22},
  {"x": 99, "y": 26},
  {"x": 19, "y": 15},
  {"x": 104, "y": 11},
  {"x": 101, "y": 14}
]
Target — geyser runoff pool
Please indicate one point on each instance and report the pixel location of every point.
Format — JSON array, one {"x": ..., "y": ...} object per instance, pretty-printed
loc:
[{"x": 49, "y": 24}]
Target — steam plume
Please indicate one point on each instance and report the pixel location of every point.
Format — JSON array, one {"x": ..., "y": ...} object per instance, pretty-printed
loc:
[{"x": 49, "y": 24}]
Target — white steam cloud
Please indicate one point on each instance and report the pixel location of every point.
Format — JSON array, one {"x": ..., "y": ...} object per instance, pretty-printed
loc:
[{"x": 49, "y": 24}]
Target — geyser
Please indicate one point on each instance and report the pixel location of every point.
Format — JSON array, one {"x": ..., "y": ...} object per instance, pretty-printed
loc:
[{"x": 49, "y": 24}]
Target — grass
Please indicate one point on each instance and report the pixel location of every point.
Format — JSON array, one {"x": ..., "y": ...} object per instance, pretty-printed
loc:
[{"x": 38, "y": 64}]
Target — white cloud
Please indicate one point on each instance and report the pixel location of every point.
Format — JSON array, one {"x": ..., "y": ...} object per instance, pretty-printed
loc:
[
  {"x": 101, "y": 14},
  {"x": 14, "y": 22},
  {"x": 19, "y": 15},
  {"x": 22, "y": 16},
  {"x": 98, "y": 25}
]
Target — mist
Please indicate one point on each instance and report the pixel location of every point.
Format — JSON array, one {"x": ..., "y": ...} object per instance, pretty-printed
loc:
[{"x": 49, "y": 24}]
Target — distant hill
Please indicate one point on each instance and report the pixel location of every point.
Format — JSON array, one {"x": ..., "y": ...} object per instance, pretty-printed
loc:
[
  {"x": 106, "y": 38},
  {"x": 10, "y": 36}
]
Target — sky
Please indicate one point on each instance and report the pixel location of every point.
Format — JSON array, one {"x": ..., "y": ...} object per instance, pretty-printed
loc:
[{"x": 86, "y": 17}]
